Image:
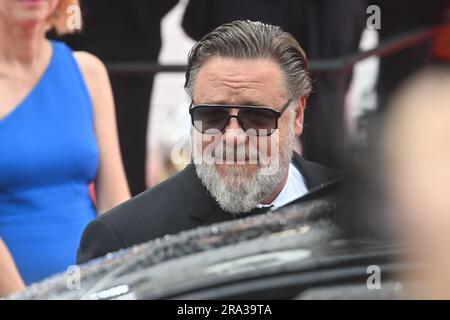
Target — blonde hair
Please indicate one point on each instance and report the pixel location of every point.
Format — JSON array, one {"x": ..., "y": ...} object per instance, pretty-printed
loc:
[{"x": 59, "y": 20}]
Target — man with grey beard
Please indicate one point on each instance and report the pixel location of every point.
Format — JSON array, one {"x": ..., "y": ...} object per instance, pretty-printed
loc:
[{"x": 248, "y": 83}]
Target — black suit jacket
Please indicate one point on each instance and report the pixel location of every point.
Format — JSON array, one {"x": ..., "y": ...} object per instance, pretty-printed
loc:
[{"x": 177, "y": 204}]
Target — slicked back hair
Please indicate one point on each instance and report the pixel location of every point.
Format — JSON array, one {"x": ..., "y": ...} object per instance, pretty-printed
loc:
[{"x": 253, "y": 40}]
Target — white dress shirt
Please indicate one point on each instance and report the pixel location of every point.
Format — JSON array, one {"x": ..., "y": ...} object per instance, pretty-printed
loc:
[{"x": 294, "y": 188}]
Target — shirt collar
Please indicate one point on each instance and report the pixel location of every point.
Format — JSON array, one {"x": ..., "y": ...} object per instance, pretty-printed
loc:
[{"x": 294, "y": 188}]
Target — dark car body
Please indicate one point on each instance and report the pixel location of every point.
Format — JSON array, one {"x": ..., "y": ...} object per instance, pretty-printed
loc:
[{"x": 297, "y": 252}]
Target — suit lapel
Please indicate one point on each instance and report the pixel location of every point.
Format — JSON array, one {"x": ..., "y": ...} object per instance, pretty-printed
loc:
[{"x": 315, "y": 175}]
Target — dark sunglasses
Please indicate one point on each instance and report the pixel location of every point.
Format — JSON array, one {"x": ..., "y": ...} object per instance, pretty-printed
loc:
[{"x": 255, "y": 120}]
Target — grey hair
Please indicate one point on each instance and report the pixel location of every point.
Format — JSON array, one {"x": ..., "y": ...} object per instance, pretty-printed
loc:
[{"x": 252, "y": 40}]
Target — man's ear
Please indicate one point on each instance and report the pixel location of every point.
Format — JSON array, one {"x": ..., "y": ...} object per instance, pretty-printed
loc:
[{"x": 299, "y": 112}]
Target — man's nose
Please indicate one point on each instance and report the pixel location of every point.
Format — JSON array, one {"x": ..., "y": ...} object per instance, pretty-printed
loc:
[{"x": 234, "y": 133}]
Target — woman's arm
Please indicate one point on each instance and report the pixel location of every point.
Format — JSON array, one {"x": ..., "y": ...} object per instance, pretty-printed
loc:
[
  {"x": 111, "y": 184},
  {"x": 10, "y": 280}
]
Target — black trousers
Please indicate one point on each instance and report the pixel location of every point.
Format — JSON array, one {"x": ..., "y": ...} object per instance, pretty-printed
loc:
[{"x": 132, "y": 98}]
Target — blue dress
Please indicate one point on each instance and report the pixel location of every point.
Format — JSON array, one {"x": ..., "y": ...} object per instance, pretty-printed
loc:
[{"x": 48, "y": 158}]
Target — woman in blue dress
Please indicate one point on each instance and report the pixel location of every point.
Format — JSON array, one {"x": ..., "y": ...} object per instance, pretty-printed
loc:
[{"x": 57, "y": 136}]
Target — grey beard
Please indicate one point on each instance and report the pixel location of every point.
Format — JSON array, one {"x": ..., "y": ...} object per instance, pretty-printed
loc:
[{"x": 239, "y": 193}]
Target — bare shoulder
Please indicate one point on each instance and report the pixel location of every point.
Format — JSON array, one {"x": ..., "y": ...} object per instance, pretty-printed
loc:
[
  {"x": 91, "y": 66},
  {"x": 97, "y": 80}
]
